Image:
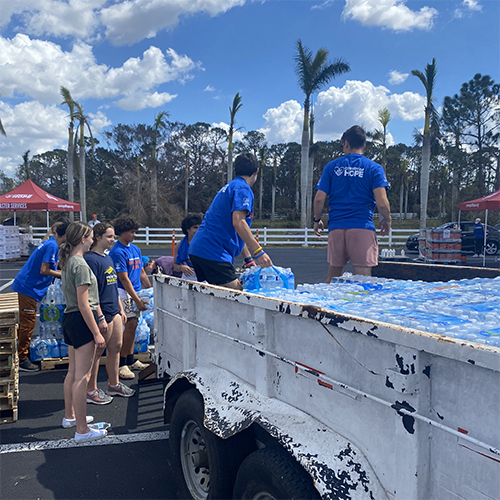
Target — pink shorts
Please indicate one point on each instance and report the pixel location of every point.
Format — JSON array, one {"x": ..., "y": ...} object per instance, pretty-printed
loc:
[{"x": 359, "y": 245}]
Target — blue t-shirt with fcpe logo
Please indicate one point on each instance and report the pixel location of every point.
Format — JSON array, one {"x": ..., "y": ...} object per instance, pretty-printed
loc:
[
  {"x": 29, "y": 281},
  {"x": 216, "y": 239},
  {"x": 349, "y": 182},
  {"x": 128, "y": 259}
]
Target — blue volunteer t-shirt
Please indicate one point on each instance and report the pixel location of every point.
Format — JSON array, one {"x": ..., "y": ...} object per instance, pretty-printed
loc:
[
  {"x": 107, "y": 282},
  {"x": 216, "y": 239},
  {"x": 29, "y": 281},
  {"x": 182, "y": 253},
  {"x": 127, "y": 259},
  {"x": 349, "y": 182},
  {"x": 478, "y": 231}
]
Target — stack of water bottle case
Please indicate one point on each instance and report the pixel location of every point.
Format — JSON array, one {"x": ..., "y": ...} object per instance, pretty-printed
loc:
[
  {"x": 49, "y": 342},
  {"x": 441, "y": 246},
  {"x": 9, "y": 361}
]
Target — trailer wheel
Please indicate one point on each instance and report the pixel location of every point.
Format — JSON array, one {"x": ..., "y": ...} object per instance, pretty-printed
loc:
[
  {"x": 204, "y": 464},
  {"x": 272, "y": 474}
]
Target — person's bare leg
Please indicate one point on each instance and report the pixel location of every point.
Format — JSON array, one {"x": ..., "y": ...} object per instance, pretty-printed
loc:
[
  {"x": 128, "y": 338},
  {"x": 84, "y": 357},
  {"x": 363, "y": 271},
  {"x": 69, "y": 411},
  {"x": 234, "y": 285},
  {"x": 334, "y": 272},
  {"x": 114, "y": 346},
  {"x": 92, "y": 385}
]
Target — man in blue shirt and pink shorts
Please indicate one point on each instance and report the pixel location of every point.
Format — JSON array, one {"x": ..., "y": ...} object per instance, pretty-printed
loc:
[{"x": 354, "y": 185}]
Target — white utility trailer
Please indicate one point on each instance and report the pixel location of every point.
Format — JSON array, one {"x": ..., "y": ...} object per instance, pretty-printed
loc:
[{"x": 271, "y": 399}]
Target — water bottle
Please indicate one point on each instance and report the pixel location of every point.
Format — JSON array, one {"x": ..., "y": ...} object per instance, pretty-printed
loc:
[{"x": 39, "y": 349}]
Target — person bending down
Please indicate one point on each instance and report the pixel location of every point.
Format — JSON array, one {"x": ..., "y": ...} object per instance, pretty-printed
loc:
[{"x": 225, "y": 230}]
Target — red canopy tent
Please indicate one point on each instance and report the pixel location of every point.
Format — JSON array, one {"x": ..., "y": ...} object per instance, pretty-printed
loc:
[
  {"x": 488, "y": 202},
  {"x": 28, "y": 197}
]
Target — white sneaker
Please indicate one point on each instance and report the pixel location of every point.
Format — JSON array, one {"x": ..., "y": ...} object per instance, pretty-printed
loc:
[
  {"x": 125, "y": 372},
  {"x": 92, "y": 435},
  {"x": 71, "y": 422}
]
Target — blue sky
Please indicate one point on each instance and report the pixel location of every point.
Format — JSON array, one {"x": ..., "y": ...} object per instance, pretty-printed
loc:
[{"x": 125, "y": 61}]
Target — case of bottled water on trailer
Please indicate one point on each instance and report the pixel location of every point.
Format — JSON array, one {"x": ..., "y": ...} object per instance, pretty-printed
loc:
[{"x": 278, "y": 398}]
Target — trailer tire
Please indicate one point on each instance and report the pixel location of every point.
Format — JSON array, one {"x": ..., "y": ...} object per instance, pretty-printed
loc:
[
  {"x": 204, "y": 464},
  {"x": 271, "y": 473}
]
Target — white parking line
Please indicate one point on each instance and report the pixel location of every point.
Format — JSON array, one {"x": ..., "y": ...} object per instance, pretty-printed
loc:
[
  {"x": 71, "y": 443},
  {"x": 6, "y": 285}
]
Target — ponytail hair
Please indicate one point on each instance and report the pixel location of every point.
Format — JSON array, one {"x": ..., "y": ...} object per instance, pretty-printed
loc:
[
  {"x": 74, "y": 234},
  {"x": 99, "y": 230}
]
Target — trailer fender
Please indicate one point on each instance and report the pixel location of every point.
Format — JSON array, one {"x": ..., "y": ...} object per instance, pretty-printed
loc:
[{"x": 338, "y": 467}]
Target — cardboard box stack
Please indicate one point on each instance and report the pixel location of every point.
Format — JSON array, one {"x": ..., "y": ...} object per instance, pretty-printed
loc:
[
  {"x": 9, "y": 360},
  {"x": 9, "y": 242}
]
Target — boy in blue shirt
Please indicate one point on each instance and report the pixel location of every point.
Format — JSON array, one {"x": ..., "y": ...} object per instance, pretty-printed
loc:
[
  {"x": 354, "y": 186},
  {"x": 31, "y": 284},
  {"x": 225, "y": 230},
  {"x": 127, "y": 259}
]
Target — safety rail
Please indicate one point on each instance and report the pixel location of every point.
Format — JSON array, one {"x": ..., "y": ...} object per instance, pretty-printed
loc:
[{"x": 266, "y": 236}]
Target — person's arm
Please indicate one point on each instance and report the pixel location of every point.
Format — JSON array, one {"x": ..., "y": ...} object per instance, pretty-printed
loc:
[
  {"x": 129, "y": 288},
  {"x": 82, "y": 295},
  {"x": 103, "y": 326},
  {"x": 319, "y": 203},
  {"x": 244, "y": 232},
  {"x": 122, "y": 312},
  {"x": 384, "y": 209},
  {"x": 181, "y": 268},
  {"x": 47, "y": 271},
  {"x": 144, "y": 279}
]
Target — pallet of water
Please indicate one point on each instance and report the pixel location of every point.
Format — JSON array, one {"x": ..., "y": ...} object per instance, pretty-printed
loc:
[{"x": 465, "y": 309}]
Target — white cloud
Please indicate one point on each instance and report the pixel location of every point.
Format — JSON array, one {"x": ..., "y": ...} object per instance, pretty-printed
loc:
[
  {"x": 46, "y": 67},
  {"x": 472, "y": 5},
  {"x": 209, "y": 88},
  {"x": 141, "y": 100},
  {"x": 390, "y": 14},
  {"x": 128, "y": 22},
  {"x": 124, "y": 22},
  {"x": 337, "y": 109},
  {"x": 395, "y": 77},
  {"x": 284, "y": 123},
  {"x": 98, "y": 122},
  {"x": 466, "y": 7},
  {"x": 30, "y": 125},
  {"x": 323, "y": 5}
]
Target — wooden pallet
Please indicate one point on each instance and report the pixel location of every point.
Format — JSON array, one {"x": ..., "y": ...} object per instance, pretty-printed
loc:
[
  {"x": 13, "y": 259},
  {"x": 8, "y": 416},
  {"x": 8, "y": 402},
  {"x": 9, "y": 386},
  {"x": 51, "y": 363},
  {"x": 8, "y": 332},
  {"x": 9, "y": 309},
  {"x": 9, "y": 366}
]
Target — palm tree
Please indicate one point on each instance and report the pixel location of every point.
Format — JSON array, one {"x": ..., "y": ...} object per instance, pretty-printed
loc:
[
  {"x": 2, "y": 130},
  {"x": 313, "y": 74},
  {"x": 232, "y": 113},
  {"x": 159, "y": 124},
  {"x": 82, "y": 120},
  {"x": 429, "y": 81},
  {"x": 68, "y": 100},
  {"x": 384, "y": 117},
  {"x": 26, "y": 165}
]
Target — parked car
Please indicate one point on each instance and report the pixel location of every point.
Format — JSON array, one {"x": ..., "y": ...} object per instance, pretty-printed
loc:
[{"x": 467, "y": 227}]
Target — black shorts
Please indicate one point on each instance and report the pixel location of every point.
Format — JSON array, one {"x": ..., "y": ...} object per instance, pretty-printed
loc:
[
  {"x": 215, "y": 273},
  {"x": 75, "y": 330}
]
